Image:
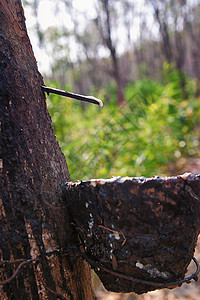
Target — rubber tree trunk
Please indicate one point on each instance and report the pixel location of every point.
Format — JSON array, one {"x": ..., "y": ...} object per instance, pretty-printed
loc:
[{"x": 34, "y": 218}]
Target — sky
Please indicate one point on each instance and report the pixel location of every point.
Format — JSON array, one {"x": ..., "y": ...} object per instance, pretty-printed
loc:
[
  {"x": 53, "y": 13},
  {"x": 50, "y": 15}
]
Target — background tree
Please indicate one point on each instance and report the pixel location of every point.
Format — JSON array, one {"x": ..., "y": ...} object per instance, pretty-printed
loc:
[
  {"x": 172, "y": 44},
  {"x": 34, "y": 220},
  {"x": 104, "y": 26}
]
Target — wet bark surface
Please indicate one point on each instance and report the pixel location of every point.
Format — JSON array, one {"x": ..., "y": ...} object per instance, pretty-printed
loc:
[
  {"x": 34, "y": 219},
  {"x": 146, "y": 228}
]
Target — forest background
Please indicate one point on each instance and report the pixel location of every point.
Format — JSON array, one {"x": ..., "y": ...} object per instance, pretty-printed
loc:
[{"x": 142, "y": 59}]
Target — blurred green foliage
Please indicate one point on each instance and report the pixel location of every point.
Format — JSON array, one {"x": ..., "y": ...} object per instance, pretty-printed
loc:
[{"x": 155, "y": 128}]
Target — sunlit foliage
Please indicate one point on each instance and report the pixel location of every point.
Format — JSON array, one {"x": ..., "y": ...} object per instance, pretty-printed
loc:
[{"x": 155, "y": 128}]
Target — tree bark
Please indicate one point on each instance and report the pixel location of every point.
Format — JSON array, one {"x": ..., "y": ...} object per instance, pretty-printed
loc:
[{"x": 34, "y": 219}]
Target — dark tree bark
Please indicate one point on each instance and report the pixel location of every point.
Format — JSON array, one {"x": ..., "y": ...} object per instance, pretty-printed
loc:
[{"x": 34, "y": 219}]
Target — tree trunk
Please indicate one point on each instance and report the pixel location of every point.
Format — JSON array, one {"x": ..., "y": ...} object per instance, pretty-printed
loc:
[{"x": 34, "y": 220}]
